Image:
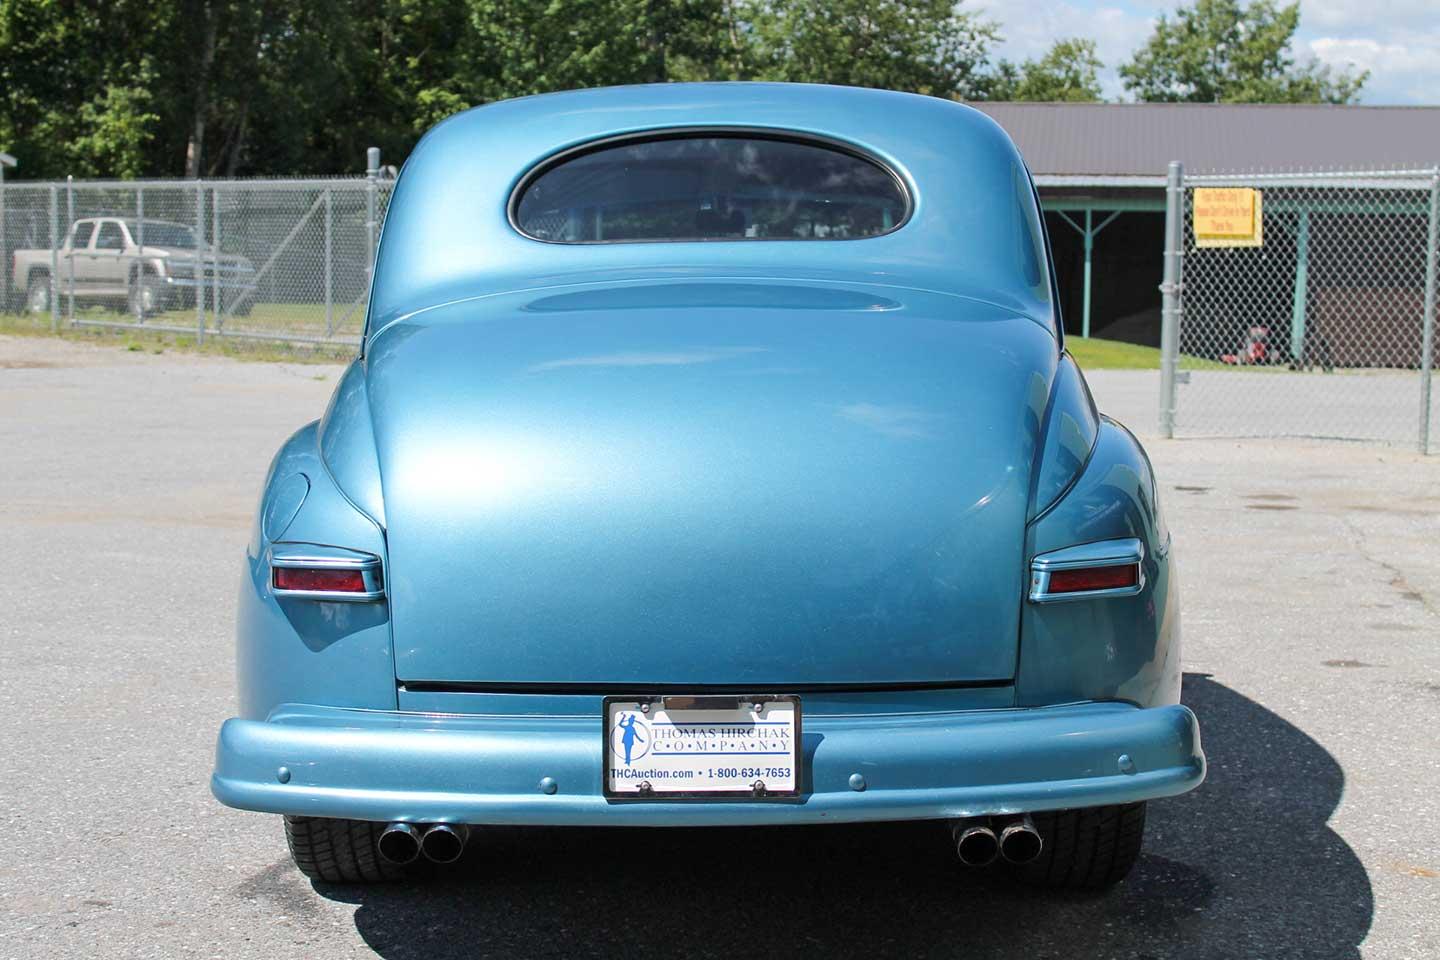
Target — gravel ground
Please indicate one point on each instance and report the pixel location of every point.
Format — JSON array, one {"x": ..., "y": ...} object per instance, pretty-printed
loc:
[{"x": 1312, "y": 612}]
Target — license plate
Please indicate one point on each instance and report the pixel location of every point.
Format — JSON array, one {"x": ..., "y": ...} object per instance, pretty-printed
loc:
[{"x": 702, "y": 746}]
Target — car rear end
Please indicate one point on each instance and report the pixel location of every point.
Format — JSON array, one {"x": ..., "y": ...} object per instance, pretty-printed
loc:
[{"x": 631, "y": 514}]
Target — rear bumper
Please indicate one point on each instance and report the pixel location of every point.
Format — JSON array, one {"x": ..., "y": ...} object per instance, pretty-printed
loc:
[{"x": 372, "y": 765}]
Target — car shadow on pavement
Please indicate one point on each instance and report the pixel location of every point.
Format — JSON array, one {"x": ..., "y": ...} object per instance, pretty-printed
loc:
[{"x": 1243, "y": 867}]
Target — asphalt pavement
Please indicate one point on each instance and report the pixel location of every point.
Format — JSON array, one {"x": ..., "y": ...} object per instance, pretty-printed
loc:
[{"x": 1311, "y": 579}]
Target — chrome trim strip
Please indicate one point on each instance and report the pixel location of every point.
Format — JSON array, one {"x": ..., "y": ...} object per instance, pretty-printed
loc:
[
  {"x": 1102, "y": 553},
  {"x": 309, "y": 557}
]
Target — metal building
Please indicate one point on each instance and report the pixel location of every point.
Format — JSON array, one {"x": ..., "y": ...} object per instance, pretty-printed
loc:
[{"x": 1100, "y": 168}]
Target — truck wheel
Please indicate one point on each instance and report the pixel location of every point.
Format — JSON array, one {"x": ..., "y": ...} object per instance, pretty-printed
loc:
[
  {"x": 1086, "y": 849},
  {"x": 37, "y": 293},
  {"x": 144, "y": 299},
  {"x": 338, "y": 851}
]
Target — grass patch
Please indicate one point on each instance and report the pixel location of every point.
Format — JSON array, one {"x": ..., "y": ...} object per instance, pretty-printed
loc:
[
  {"x": 140, "y": 339},
  {"x": 1095, "y": 354}
]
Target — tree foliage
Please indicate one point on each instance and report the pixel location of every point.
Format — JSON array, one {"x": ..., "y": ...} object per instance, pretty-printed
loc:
[
  {"x": 1069, "y": 71},
  {"x": 925, "y": 46},
  {"x": 1223, "y": 51},
  {"x": 235, "y": 87}
]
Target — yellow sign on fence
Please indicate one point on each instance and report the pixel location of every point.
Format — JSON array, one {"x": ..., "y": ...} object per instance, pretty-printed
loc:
[{"x": 1228, "y": 217}]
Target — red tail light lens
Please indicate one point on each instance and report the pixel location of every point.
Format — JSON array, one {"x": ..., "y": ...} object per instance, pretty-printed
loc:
[
  {"x": 329, "y": 581},
  {"x": 1095, "y": 578}
]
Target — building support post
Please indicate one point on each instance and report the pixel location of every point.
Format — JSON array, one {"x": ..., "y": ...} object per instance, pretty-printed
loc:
[
  {"x": 1088, "y": 233},
  {"x": 1089, "y": 256},
  {"x": 1302, "y": 286},
  {"x": 1171, "y": 290},
  {"x": 1427, "y": 324}
]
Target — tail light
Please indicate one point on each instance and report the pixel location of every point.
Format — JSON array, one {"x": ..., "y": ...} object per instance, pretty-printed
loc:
[
  {"x": 1107, "y": 568},
  {"x": 324, "y": 573}
]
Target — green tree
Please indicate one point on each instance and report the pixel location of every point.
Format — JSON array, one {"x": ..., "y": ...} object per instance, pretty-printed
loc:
[
  {"x": 75, "y": 86},
  {"x": 1223, "y": 51},
  {"x": 1070, "y": 71},
  {"x": 245, "y": 87},
  {"x": 523, "y": 47},
  {"x": 922, "y": 46}
]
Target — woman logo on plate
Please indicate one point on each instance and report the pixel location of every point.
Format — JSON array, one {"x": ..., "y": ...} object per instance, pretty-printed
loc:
[{"x": 626, "y": 735}]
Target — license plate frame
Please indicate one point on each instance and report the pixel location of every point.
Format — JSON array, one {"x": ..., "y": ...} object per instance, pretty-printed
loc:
[{"x": 666, "y": 705}]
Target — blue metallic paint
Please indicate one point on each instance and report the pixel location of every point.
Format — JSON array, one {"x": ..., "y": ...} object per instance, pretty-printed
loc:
[
  {"x": 800, "y": 488},
  {"x": 831, "y": 462},
  {"x": 488, "y": 769},
  {"x": 447, "y": 236},
  {"x": 1115, "y": 648},
  {"x": 300, "y": 650}
]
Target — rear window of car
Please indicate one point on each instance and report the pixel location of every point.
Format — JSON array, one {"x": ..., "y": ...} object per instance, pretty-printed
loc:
[{"x": 710, "y": 187}]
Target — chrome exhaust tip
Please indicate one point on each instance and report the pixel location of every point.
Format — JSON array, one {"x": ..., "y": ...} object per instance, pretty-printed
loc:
[
  {"x": 399, "y": 844},
  {"x": 1020, "y": 842},
  {"x": 444, "y": 843},
  {"x": 975, "y": 844}
]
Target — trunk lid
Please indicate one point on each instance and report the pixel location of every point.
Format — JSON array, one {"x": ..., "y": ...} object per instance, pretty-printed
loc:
[{"x": 708, "y": 484}]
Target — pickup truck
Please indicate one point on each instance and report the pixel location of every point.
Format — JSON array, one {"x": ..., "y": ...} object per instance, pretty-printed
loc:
[{"x": 145, "y": 267}]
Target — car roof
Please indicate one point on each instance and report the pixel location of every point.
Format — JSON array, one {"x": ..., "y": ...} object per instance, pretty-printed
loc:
[{"x": 448, "y": 237}]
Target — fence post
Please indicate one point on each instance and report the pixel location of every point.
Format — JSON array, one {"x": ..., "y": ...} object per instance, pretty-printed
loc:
[
  {"x": 1427, "y": 324},
  {"x": 4, "y": 246},
  {"x": 1171, "y": 288},
  {"x": 70, "y": 218},
  {"x": 215, "y": 255},
  {"x": 54, "y": 260},
  {"x": 329, "y": 271},
  {"x": 198, "y": 276},
  {"x": 372, "y": 179}
]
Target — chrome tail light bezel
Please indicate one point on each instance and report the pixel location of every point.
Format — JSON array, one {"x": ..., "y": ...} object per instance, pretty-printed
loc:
[
  {"x": 1129, "y": 551},
  {"x": 311, "y": 557}
]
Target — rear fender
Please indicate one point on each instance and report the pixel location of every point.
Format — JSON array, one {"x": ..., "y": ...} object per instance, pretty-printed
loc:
[
  {"x": 301, "y": 650},
  {"x": 1105, "y": 648}
]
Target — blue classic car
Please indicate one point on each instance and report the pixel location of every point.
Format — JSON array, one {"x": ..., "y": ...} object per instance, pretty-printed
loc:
[{"x": 712, "y": 457}]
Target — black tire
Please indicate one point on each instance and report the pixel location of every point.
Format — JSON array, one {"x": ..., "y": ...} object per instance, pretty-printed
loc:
[
  {"x": 37, "y": 293},
  {"x": 1087, "y": 849},
  {"x": 145, "y": 298},
  {"x": 338, "y": 851}
]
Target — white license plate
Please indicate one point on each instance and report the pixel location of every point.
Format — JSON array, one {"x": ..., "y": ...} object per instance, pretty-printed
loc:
[{"x": 702, "y": 746}]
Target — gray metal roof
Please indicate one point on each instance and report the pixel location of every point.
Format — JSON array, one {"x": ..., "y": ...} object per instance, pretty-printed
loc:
[{"x": 1088, "y": 140}]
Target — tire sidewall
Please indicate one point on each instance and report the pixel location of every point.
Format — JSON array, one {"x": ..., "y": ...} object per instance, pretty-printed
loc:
[
  {"x": 37, "y": 295},
  {"x": 143, "y": 300}
]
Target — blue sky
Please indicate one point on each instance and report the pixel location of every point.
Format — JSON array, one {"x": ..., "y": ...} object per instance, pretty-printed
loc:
[{"x": 1398, "y": 41}]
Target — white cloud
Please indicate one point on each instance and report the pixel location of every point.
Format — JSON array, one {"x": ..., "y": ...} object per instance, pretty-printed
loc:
[
  {"x": 1404, "y": 66},
  {"x": 1348, "y": 15}
]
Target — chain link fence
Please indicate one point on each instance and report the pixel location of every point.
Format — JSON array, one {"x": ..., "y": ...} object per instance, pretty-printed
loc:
[
  {"x": 1303, "y": 304},
  {"x": 277, "y": 260}
]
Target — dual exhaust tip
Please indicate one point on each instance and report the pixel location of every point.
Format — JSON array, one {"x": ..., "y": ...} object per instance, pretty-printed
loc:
[
  {"x": 404, "y": 843},
  {"x": 983, "y": 840},
  {"x": 978, "y": 842}
]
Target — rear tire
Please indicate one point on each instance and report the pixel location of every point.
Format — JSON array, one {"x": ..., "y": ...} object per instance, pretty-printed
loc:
[
  {"x": 144, "y": 300},
  {"x": 37, "y": 293},
  {"x": 338, "y": 851},
  {"x": 1087, "y": 849}
]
